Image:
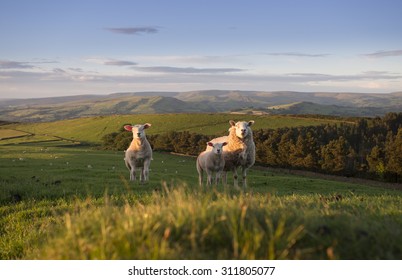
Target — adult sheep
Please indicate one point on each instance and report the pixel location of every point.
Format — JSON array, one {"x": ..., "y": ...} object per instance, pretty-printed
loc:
[
  {"x": 139, "y": 153},
  {"x": 240, "y": 150}
]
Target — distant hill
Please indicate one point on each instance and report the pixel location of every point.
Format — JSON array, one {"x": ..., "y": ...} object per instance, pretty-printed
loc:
[{"x": 278, "y": 102}]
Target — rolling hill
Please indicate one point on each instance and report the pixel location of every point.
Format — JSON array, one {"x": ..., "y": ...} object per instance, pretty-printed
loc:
[
  {"x": 211, "y": 101},
  {"x": 91, "y": 129}
]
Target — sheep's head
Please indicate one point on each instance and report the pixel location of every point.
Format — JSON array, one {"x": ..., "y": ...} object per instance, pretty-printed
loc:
[
  {"x": 138, "y": 130},
  {"x": 217, "y": 148},
  {"x": 242, "y": 128}
]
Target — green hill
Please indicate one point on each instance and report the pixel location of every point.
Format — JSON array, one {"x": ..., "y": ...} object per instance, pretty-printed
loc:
[
  {"x": 208, "y": 101},
  {"x": 300, "y": 108},
  {"x": 91, "y": 129}
]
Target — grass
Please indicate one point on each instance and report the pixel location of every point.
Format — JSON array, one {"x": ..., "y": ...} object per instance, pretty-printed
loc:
[
  {"x": 92, "y": 129},
  {"x": 61, "y": 202},
  {"x": 11, "y": 133},
  {"x": 60, "y": 199}
]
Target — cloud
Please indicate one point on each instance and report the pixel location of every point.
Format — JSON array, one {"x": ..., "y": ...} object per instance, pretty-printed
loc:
[
  {"x": 8, "y": 64},
  {"x": 380, "y": 54},
  {"x": 59, "y": 71},
  {"x": 134, "y": 30},
  {"x": 77, "y": 69},
  {"x": 187, "y": 70},
  {"x": 111, "y": 62},
  {"x": 318, "y": 77},
  {"x": 297, "y": 54},
  {"x": 119, "y": 62}
]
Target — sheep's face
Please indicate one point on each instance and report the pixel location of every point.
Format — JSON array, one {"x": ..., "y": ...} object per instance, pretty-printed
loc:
[
  {"x": 138, "y": 130},
  {"x": 242, "y": 128},
  {"x": 217, "y": 148}
]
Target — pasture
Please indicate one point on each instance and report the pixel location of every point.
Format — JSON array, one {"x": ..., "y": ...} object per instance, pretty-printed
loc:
[
  {"x": 91, "y": 129},
  {"x": 60, "y": 200}
]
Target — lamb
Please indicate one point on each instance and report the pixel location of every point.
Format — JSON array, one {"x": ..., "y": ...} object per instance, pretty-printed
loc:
[
  {"x": 240, "y": 150},
  {"x": 210, "y": 162},
  {"x": 139, "y": 153}
]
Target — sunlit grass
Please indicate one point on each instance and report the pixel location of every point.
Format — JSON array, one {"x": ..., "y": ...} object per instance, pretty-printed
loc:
[
  {"x": 77, "y": 203},
  {"x": 183, "y": 222}
]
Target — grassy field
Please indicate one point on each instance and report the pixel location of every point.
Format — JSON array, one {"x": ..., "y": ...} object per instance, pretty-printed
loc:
[
  {"x": 63, "y": 200},
  {"x": 92, "y": 129},
  {"x": 76, "y": 203}
]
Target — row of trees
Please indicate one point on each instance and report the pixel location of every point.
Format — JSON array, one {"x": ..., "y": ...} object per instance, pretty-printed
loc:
[{"x": 371, "y": 148}]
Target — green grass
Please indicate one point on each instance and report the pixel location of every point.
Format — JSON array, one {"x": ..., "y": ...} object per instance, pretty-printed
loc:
[
  {"x": 186, "y": 223},
  {"x": 92, "y": 129},
  {"x": 60, "y": 202},
  {"x": 11, "y": 133}
]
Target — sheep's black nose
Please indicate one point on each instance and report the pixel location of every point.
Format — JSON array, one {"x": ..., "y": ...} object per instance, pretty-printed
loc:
[{"x": 139, "y": 134}]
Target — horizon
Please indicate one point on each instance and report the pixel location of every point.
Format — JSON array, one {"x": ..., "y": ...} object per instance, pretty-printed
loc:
[
  {"x": 54, "y": 49},
  {"x": 205, "y": 90}
]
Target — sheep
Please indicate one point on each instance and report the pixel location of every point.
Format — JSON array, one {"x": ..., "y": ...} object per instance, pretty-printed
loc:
[
  {"x": 211, "y": 161},
  {"x": 139, "y": 153},
  {"x": 240, "y": 150}
]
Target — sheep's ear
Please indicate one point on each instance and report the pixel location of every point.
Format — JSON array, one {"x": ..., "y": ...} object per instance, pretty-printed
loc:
[
  {"x": 224, "y": 144},
  {"x": 147, "y": 125},
  {"x": 250, "y": 123},
  {"x": 128, "y": 127},
  {"x": 210, "y": 144},
  {"x": 232, "y": 123}
]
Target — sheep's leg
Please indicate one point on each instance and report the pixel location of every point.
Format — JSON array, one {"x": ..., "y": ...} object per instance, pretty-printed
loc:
[
  {"x": 217, "y": 177},
  {"x": 132, "y": 173},
  {"x": 142, "y": 176},
  {"x": 235, "y": 183},
  {"x": 244, "y": 173},
  {"x": 209, "y": 181},
  {"x": 145, "y": 170},
  {"x": 200, "y": 178},
  {"x": 224, "y": 178},
  {"x": 200, "y": 173}
]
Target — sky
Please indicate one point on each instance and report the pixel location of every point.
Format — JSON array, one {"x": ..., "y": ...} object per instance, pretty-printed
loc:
[{"x": 58, "y": 48}]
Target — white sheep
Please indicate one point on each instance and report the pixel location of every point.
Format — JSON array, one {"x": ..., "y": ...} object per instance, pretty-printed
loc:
[
  {"x": 240, "y": 150},
  {"x": 210, "y": 162},
  {"x": 139, "y": 153}
]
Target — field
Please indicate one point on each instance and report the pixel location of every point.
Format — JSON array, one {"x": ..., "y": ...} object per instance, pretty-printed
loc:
[
  {"x": 62, "y": 200},
  {"x": 92, "y": 129}
]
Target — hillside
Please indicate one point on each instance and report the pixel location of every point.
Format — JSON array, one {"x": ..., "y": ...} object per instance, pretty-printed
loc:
[
  {"x": 209, "y": 101},
  {"x": 301, "y": 108},
  {"x": 91, "y": 129}
]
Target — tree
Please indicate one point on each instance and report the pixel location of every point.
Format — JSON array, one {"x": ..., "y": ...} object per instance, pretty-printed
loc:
[
  {"x": 394, "y": 155},
  {"x": 375, "y": 160},
  {"x": 338, "y": 157}
]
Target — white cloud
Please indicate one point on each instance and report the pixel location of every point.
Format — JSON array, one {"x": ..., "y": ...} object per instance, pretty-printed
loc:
[{"x": 187, "y": 70}]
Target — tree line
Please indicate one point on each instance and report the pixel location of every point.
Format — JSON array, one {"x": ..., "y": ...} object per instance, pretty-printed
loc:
[{"x": 370, "y": 148}]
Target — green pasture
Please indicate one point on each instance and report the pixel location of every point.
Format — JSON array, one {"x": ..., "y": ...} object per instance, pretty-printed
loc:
[
  {"x": 63, "y": 198},
  {"x": 92, "y": 129},
  {"x": 60, "y": 201}
]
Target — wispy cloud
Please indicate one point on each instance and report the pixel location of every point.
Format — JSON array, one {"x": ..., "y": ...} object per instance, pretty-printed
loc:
[
  {"x": 119, "y": 62},
  {"x": 369, "y": 75},
  {"x": 298, "y": 54},
  {"x": 8, "y": 64},
  {"x": 380, "y": 54},
  {"x": 134, "y": 30},
  {"x": 111, "y": 62},
  {"x": 187, "y": 70}
]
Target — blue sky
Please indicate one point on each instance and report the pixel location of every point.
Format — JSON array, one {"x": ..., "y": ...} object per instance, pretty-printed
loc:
[{"x": 54, "y": 48}]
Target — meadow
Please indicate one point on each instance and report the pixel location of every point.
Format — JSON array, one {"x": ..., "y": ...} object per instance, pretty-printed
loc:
[
  {"x": 91, "y": 129},
  {"x": 64, "y": 200}
]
